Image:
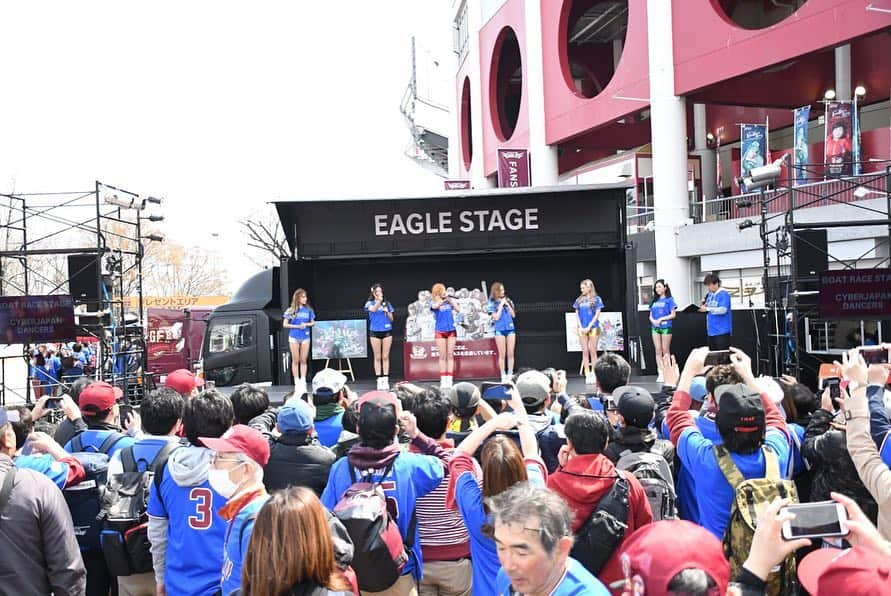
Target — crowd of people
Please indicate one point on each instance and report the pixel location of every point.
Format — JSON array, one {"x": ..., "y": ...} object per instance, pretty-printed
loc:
[{"x": 430, "y": 491}]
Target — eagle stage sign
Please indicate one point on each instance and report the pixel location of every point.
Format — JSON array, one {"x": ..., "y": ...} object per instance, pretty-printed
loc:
[{"x": 447, "y": 222}]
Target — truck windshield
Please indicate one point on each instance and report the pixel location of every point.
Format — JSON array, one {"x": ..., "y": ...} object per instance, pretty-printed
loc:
[{"x": 227, "y": 335}]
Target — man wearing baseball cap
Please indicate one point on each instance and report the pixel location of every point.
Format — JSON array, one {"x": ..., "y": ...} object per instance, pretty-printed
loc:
[
  {"x": 184, "y": 382},
  {"x": 534, "y": 388},
  {"x": 40, "y": 552},
  {"x": 296, "y": 457},
  {"x": 329, "y": 394},
  {"x": 464, "y": 398},
  {"x": 237, "y": 474},
  {"x": 635, "y": 408}
]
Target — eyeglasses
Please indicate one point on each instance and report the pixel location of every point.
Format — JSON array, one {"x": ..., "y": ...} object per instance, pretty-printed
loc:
[{"x": 217, "y": 459}]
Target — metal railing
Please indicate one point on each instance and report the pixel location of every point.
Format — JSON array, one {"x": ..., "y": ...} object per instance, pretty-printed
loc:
[{"x": 815, "y": 194}]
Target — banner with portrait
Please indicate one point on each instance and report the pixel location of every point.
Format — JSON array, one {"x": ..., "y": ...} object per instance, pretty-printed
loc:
[
  {"x": 838, "y": 148},
  {"x": 800, "y": 152},
  {"x": 753, "y": 148}
]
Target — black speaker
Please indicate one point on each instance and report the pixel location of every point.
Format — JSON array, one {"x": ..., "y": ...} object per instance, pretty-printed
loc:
[
  {"x": 811, "y": 253},
  {"x": 83, "y": 279}
]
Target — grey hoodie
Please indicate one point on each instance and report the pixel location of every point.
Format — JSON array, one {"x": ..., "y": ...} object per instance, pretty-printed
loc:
[{"x": 188, "y": 466}]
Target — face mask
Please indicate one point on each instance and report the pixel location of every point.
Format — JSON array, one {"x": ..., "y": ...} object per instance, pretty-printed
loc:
[{"x": 220, "y": 482}]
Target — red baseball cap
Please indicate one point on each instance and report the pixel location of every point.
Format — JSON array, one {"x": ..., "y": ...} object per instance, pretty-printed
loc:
[
  {"x": 242, "y": 439},
  {"x": 381, "y": 398},
  {"x": 183, "y": 381},
  {"x": 99, "y": 396},
  {"x": 657, "y": 552},
  {"x": 851, "y": 571}
]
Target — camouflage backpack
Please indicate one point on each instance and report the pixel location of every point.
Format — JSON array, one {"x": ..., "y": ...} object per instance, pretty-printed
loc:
[{"x": 750, "y": 497}]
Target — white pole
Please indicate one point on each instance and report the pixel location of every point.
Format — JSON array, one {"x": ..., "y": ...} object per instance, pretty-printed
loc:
[{"x": 543, "y": 156}]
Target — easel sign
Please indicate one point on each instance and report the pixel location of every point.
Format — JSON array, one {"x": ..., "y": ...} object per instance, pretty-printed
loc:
[
  {"x": 340, "y": 340},
  {"x": 611, "y": 337}
]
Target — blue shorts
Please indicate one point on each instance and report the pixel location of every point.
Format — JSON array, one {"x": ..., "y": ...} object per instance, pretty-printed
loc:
[
  {"x": 505, "y": 332},
  {"x": 297, "y": 340}
]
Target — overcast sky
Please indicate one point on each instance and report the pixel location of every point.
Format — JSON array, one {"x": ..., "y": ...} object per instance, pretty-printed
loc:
[{"x": 217, "y": 106}]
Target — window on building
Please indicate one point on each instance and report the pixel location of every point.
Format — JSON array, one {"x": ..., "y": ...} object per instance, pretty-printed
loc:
[{"x": 229, "y": 335}]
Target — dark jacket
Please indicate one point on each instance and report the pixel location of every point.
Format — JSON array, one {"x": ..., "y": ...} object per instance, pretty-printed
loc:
[
  {"x": 550, "y": 438},
  {"x": 40, "y": 553},
  {"x": 825, "y": 449},
  {"x": 635, "y": 440},
  {"x": 297, "y": 459}
]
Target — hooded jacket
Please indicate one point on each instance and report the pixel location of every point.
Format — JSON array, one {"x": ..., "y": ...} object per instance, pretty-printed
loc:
[
  {"x": 184, "y": 522},
  {"x": 550, "y": 438},
  {"x": 297, "y": 459},
  {"x": 582, "y": 482}
]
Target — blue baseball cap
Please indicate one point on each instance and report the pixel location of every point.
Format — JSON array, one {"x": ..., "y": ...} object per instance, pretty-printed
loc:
[
  {"x": 697, "y": 389},
  {"x": 295, "y": 416}
]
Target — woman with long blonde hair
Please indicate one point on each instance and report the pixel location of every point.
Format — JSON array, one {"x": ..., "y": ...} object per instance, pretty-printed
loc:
[
  {"x": 587, "y": 311},
  {"x": 291, "y": 551},
  {"x": 445, "y": 307},
  {"x": 501, "y": 309},
  {"x": 298, "y": 320}
]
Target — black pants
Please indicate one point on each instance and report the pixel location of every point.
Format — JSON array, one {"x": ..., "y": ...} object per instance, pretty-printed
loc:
[
  {"x": 99, "y": 581},
  {"x": 719, "y": 342}
]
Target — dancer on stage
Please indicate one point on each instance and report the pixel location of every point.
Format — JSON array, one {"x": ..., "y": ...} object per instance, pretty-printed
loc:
[
  {"x": 502, "y": 310},
  {"x": 587, "y": 310},
  {"x": 719, "y": 320},
  {"x": 298, "y": 319},
  {"x": 445, "y": 307},
  {"x": 663, "y": 309},
  {"x": 380, "y": 319}
]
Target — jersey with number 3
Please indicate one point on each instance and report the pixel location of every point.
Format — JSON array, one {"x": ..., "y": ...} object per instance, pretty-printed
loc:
[{"x": 195, "y": 535}]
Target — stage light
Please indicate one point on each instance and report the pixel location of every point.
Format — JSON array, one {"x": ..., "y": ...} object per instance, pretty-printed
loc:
[
  {"x": 710, "y": 137},
  {"x": 745, "y": 224},
  {"x": 763, "y": 176},
  {"x": 125, "y": 202},
  {"x": 154, "y": 237},
  {"x": 859, "y": 90},
  {"x": 154, "y": 200},
  {"x": 829, "y": 95},
  {"x": 154, "y": 218}
]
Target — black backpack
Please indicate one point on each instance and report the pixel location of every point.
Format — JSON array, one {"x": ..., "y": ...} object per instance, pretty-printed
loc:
[
  {"x": 655, "y": 477},
  {"x": 124, "y": 536},
  {"x": 85, "y": 498},
  {"x": 602, "y": 532}
]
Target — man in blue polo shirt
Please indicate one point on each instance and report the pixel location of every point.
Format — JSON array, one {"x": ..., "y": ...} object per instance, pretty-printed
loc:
[
  {"x": 719, "y": 323},
  {"x": 533, "y": 531},
  {"x": 749, "y": 424}
]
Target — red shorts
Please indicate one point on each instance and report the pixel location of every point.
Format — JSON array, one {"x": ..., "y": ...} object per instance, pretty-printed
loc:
[{"x": 446, "y": 334}]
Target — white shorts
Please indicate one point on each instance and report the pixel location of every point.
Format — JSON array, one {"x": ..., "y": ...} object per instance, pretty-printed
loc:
[{"x": 294, "y": 340}]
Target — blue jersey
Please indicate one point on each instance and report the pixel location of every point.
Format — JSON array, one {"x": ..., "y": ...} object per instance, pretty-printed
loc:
[
  {"x": 445, "y": 317},
  {"x": 576, "y": 581},
  {"x": 238, "y": 536},
  {"x": 411, "y": 476},
  {"x": 195, "y": 535},
  {"x": 329, "y": 429},
  {"x": 303, "y": 315},
  {"x": 587, "y": 309},
  {"x": 45, "y": 464},
  {"x": 506, "y": 321},
  {"x": 92, "y": 439},
  {"x": 663, "y": 307},
  {"x": 378, "y": 319},
  {"x": 718, "y": 323}
]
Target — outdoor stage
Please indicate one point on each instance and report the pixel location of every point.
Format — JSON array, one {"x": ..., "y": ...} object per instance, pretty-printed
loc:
[{"x": 576, "y": 386}]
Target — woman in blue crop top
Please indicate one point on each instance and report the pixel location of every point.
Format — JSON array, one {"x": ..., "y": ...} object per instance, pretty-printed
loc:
[
  {"x": 380, "y": 323},
  {"x": 501, "y": 308},
  {"x": 444, "y": 308},
  {"x": 663, "y": 309},
  {"x": 298, "y": 320},
  {"x": 587, "y": 310}
]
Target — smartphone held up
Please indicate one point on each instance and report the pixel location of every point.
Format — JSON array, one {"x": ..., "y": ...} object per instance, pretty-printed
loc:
[{"x": 823, "y": 519}]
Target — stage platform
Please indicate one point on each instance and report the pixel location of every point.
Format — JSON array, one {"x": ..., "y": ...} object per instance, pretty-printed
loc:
[{"x": 576, "y": 386}]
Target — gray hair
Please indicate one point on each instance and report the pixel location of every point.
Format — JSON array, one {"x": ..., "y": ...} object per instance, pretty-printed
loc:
[{"x": 523, "y": 502}]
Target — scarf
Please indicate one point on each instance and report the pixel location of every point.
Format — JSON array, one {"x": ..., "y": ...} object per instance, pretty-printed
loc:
[
  {"x": 369, "y": 458},
  {"x": 326, "y": 411}
]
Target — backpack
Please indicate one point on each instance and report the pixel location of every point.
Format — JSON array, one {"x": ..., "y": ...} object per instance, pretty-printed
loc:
[
  {"x": 655, "y": 476},
  {"x": 85, "y": 498},
  {"x": 598, "y": 538},
  {"x": 379, "y": 554},
  {"x": 750, "y": 497},
  {"x": 124, "y": 536}
]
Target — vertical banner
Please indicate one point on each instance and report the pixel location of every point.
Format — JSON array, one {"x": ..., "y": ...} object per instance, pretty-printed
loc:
[
  {"x": 800, "y": 152},
  {"x": 855, "y": 157},
  {"x": 513, "y": 168},
  {"x": 753, "y": 148},
  {"x": 838, "y": 149},
  {"x": 719, "y": 180}
]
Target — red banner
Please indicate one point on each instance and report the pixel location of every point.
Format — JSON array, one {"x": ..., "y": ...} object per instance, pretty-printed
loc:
[
  {"x": 513, "y": 168},
  {"x": 456, "y": 184},
  {"x": 474, "y": 359},
  {"x": 855, "y": 293}
]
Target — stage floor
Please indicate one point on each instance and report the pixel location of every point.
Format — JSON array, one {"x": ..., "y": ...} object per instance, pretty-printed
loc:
[{"x": 576, "y": 385}]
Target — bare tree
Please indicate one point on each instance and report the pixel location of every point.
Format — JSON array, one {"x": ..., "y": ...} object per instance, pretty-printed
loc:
[
  {"x": 264, "y": 234},
  {"x": 172, "y": 269}
]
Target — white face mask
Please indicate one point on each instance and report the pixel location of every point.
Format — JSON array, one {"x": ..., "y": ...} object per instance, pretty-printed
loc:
[{"x": 220, "y": 482}]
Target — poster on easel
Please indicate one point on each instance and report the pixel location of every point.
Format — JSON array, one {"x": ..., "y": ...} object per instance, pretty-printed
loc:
[{"x": 612, "y": 338}]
